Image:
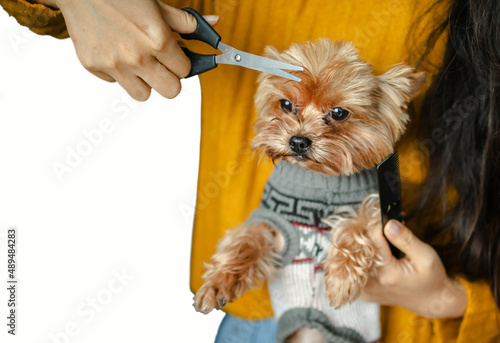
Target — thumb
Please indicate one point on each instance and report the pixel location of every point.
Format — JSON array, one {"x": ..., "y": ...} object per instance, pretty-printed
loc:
[
  {"x": 179, "y": 21},
  {"x": 406, "y": 241}
]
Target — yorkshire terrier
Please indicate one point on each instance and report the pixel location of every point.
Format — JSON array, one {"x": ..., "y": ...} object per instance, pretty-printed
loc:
[{"x": 309, "y": 236}]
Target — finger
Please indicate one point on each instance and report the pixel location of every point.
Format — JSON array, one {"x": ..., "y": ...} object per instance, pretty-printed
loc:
[
  {"x": 369, "y": 290},
  {"x": 162, "y": 80},
  {"x": 135, "y": 86},
  {"x": 366, "y": 297},
  {"x": 406, "y": 241},
  {"x": 174, "y": 59},
  {"x": 101, "y": 75},
  {"x": 211, "y": 19},
  {"x": 380, "y": 242},
  {"x": 377, "y": 294}
]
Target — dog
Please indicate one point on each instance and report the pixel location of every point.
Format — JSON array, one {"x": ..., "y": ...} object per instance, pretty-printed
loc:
[{"x": 309, "y": 236}]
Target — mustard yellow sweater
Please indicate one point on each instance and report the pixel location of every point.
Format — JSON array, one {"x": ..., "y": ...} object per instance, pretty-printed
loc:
[{"x": 231, "y": 179}]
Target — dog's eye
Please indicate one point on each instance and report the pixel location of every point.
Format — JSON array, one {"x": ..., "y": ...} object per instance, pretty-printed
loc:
[
  {"x": 286, "y": 106},
  {"x": 339, "y": 114}
]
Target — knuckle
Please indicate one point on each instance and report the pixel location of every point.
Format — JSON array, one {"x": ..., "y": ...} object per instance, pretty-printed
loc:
[
  {"x": 110, "y": 64},
  {"x": 93, "y": 56},
  {"x": 136, "y": 60},
  {"x": 430, "y": 258},
  {"x": 126, "y": 59},
  {"x": 160, "y": 39},
  {"x": 88, "y": 62},
  {"x": 188, "y": 21}
]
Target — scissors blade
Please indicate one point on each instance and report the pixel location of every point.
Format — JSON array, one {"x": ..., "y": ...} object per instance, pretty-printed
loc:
[
  {"x": 277, "y": 72},
  {"x": 233, "y": 56}
]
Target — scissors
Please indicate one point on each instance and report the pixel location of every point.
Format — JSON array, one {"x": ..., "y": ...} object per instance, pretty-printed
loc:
[{"x": 202, "y": 63}]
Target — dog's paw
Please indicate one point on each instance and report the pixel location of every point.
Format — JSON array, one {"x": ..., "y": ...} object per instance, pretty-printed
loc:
[
  {"x": 244, "y": 258},
  {"x": 222, "y": 285},
  {"x": 343, "y": 281},
  {"x": 208, "y": 298}
]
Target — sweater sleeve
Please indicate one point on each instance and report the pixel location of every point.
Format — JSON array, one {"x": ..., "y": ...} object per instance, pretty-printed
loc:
[
  {"x": 38, "y": 18},
  {"x": 45, "y": 20},
  {"x": 480, "y": 322}
]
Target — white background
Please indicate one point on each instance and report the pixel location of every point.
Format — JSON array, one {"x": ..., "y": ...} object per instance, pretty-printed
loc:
[{"x": 88, "y": 210}]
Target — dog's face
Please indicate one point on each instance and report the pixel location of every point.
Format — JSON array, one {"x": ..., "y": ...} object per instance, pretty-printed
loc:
[{"x": 341, "y": 118}]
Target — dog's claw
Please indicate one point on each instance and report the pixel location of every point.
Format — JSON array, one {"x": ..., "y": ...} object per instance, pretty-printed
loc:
[
  {"x": 208, "y": 298},
  {"x": 222, "y": 302}
]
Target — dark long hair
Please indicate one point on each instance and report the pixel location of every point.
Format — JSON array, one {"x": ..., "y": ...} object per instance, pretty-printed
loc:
[{"x": 460, "y": 123}]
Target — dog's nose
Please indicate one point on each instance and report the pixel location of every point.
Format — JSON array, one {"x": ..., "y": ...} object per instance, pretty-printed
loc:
[{"x": 300, "y": 144}]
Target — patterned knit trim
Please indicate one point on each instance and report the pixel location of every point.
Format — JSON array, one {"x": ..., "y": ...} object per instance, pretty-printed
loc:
[{"x": 38, "y": 18}]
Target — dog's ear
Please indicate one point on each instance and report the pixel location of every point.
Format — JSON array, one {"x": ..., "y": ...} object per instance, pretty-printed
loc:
[
  {"x": 395, "y": 90},
  {"x": 401, "y": 84}
]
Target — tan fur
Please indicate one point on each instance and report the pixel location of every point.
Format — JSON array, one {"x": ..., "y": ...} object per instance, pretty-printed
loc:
[
  {"x": 352, "y": 258},
  {"x": 245, "y": 257}
]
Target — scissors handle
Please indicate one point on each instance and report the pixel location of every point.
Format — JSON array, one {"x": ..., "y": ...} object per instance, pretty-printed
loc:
[
  {"x": 205, "y": 33},
  {"x": 199, "y": 63}
]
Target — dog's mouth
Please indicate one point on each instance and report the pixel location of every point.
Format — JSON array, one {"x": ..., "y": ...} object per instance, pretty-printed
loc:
[
  {"x": 300, "y": 157},
  {"x": 293, "y": 158},
  {"x": 290, "y": 156},
  {"x": 296, "y": 158}
]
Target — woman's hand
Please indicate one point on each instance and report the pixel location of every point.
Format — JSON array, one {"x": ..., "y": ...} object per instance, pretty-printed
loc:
[
  {"x": 417, "y": 282},
  {"x": 130, "y": 41}
]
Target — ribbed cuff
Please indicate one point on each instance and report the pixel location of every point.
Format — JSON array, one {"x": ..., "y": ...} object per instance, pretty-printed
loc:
[
  {"x": 291, "y": 248},
  {"x": 38, "y": 18},
  {"x": 294, "y": 319},
  {"x": 481, "y": 312}
]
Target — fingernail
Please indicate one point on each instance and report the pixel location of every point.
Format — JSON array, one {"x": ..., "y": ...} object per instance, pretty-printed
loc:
[
  {"x": 212, "y": 19},
  {"x": 394, "y": 227}
]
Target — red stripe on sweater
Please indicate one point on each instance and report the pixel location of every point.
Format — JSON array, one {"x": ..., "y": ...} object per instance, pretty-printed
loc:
[
  {"x": 307, "y": 259},
  {"x": 311, "y": 227}
]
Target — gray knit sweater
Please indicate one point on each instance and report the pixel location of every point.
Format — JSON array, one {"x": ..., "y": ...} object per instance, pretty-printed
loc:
[{"x": 294, "y": 202}]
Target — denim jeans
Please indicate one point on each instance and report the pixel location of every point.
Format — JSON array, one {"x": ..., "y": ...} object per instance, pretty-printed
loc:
[{"x": 236, "y": 330}]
